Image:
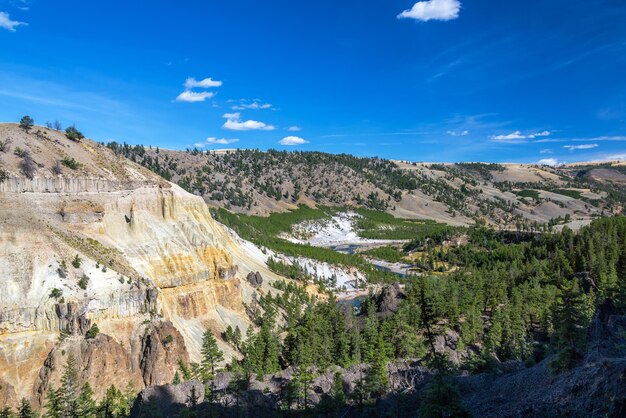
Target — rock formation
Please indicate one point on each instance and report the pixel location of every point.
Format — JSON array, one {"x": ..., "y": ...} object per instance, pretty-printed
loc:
[{"x": 108, "y": 243}]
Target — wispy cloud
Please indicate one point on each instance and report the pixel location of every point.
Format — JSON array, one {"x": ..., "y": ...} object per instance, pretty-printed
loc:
[
  {"x": 293, "y": 140},
  {"x": 189, "y": 96},
  {"x": 518, "y": 137},
  {"x": 255, "y": 104},
  {"x": 546, "y": 151},
  {"x": 7, "y": 23},
  {"x": 206, "y": 83},
  {"x": 589, "y": 139},
  {"x": 433, "y": 10},
  {"x": 461, "y": 133},
  {"x": 216, "y": 141},
  {"x": 234, "y": 123},
  {"x": 294, "y": 129},
  {"x": 579, "y": 147}
]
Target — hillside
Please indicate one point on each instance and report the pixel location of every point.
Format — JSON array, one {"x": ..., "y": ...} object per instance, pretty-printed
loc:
[
  {"x": 505, "y": 195},
  {"x": 102, "y": 259}
]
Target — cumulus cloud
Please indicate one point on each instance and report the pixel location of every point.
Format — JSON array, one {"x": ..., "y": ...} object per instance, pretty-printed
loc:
[
  {"x": 189, "y": 96},
  {"x": 206, "y": 83},
  {"x": 581, "y": 146},
  {"x": 433, "y": 10},
  {"x": 294, "y": 129},
  {"x": 518, "y": 137},
  {"x": 462, "y": 133},
  {"x": 293, "y": 140},
  {"x": 234, "y": 123},
  {"x": 8, "y": 24},
  {"x": 549, "y": 161}
]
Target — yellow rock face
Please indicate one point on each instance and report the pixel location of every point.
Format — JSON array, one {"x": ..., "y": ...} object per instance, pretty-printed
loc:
[{"x": 150, "y": 255}]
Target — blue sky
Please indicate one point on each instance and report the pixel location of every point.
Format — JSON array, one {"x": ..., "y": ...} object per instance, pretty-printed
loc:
[{"x": 439, "y": 80}]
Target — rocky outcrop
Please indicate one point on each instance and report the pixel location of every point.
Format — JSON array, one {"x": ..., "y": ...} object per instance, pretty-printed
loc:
[
  {"x": 388, "y": 300},
  {"x": 255, "y": 279},
  {"x": 148, "y": 357},
  {"x": 147, "y": 251},
  {"x": 60, "y": 184},
  {"x": 595, "y": 387},
  {"x": 161, "y": 346}
]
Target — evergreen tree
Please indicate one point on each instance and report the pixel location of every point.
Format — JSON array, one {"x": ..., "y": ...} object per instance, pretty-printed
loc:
[
  {"x": 571, "y": 318},
  {"x": 376, "y": 376},
  {"x": 85, "y": 404},
  {"x": 176, "y": 380},
  {"x": 6, "y": 412},
  {"x": 442, "y": 399},
  {"x": 54, "y": 403},
  {"x": 25, "y": 410},
  {"x": 26, "y": 123},
  {"x": 69, "y": 387},
  {"x": 211, "y": 356}
]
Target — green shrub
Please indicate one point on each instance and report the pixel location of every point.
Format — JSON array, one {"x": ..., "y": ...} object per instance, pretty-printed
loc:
[
  {"x": 532, "y": 194},
  {"x": 83, "y": 282},
  {"x": 70, "y": 163},
  {"x": 93, "y": 332},
  {"x": 56, "y": 293},
  {"x": 76, "y": 261},
  {"x": 73, "y": 134},
  {"x": 26, "y": 122}
]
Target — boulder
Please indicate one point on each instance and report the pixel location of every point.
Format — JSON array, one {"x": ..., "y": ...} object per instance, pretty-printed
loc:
[{"x": 255, "y": 279}]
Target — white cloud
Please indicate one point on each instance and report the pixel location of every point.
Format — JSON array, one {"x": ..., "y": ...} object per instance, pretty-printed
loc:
[
  {"x": 433, "y": 10},
  {"x": 199, "y": 144},
  {"x": 540, "y": 134},
  {"x": 293, "y": 140},
  {"x": 549, "y": 161},
  {"x": 462, "y": 133},
  {"x": 206, "y": 83},
  {"x": 581, "y": 146},
  {"x": 294, "y": 129},
  {"x": 517, "y": 137},
  {"x": 189, "y": 96},
  {"x": 234, "y": 123},
  {"x": 254, "y": 105},
  {"x": 221, "y": 141},
  {"x": 546, "y": 151},
  {"x": 7, "y": 23}
]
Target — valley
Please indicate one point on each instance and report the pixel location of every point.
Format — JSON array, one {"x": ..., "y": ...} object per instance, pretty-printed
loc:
[{"x": 447, "y": 278}]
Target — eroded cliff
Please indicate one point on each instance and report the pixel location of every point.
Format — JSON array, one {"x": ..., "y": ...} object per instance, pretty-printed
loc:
[{"x": 108, "y": 243}]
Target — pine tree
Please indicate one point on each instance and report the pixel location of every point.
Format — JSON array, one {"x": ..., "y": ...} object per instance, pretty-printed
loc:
[
  {"x": 176, "y": 380},
  {"x": 6, "y": 412},
  {"x": 192, "y": 398},
  {"x": 54, "y": 403},
  {"x": 376, "y": 376},
  {"x": 339, "y": 395},
  {"x": 69, "y": 387},
  {"x": 211, "y": 356},
  {"x": 237, "y": 337},
  {"x": 442, "y": 399},
  {"x": 26, "y": 123},
  {"x": 85, "y": 404},
  {"x": 572, "y": 314},
  {"x": 25, "y": 410}
]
